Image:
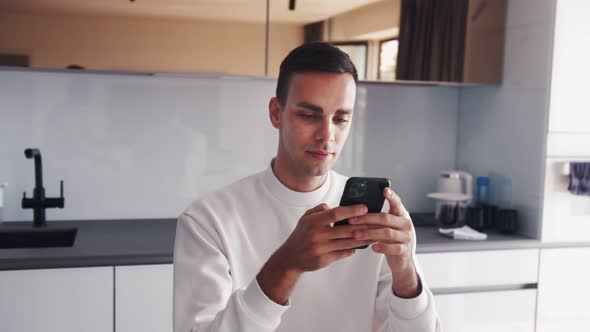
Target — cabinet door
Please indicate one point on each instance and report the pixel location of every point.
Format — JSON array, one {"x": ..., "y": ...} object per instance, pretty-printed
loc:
[
  {"x": 506, "y": 311},
  {"x": 143, "y": 298},
  {"x": 564, "y": 290},
  {"x": 65, "y": 300},
  {"x": 216, "y": 37},
  {"x": 570, "y": 70}
]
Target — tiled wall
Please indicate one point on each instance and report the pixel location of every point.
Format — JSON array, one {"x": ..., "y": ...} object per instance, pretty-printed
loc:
[
  {"x": 130, "y": 146},
  {"x": 502, "y": 130}
]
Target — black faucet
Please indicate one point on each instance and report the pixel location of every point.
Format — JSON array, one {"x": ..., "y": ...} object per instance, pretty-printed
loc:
[{"x": 39, "y": 202}]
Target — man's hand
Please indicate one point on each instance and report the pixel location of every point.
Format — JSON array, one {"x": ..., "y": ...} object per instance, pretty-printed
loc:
[
  {"x": 394, "y": 240},
  {"x": 312, "y": 245}
]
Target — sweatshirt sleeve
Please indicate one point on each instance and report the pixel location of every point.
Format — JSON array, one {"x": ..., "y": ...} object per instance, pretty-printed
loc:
[
  {"x": 203, "y": 296},
  {"x": 397, "y": 314}
]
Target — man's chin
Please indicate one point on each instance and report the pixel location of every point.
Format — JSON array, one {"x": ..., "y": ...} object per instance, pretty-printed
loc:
[{"x": 319, "y": 170}]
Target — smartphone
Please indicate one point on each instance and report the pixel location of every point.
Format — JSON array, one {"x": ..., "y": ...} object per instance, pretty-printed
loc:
[{"x": 363, "y": 190}]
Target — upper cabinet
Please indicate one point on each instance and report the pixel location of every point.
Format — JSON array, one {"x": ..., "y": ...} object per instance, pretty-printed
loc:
[
  {"x": 218, "y": 37},
  {"x": 436, "y": 40},
  {"x": 570, "y": 70}
]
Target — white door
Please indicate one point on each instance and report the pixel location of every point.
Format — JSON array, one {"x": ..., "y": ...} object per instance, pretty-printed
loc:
[
  {"x": 505, "y": 311},
  {"x": 65, "y": 300},
  {"x": 143, "y": 300},
  {"x": 564, "y": 290}
]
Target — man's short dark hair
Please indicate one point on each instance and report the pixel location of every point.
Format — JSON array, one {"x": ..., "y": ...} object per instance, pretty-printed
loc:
[{"x": 312, "y": 57}]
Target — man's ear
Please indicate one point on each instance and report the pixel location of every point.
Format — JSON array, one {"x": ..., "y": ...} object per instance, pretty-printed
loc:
[{"x": 274, "y": 110}]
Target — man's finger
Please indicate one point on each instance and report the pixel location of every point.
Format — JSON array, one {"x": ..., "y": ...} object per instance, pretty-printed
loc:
[
  {"x": 398, "y": 249},
  {"x": 317, "y": 208},
  {"x": 382, "y": 219},
  {"x": 343, "y": 244},
  {"x": 395, "y": 203},
  {"x": 339, "y": 213},
  {"x": 344, "y": 231},
  {"x": 384, "y": 235},
  {"x": 340, "y": 254}
]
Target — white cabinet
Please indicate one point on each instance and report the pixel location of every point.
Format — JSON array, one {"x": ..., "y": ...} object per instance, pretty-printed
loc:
[
  {"x": 143, "y": 298},
  {"x": 65, "y": 300},
  {"x": 482, "y": 290},
  {"x": 506, "y": 311},
  {"x": 571, "y": 69},
  {"x": 564, "y": 290},
  {"x": 480, "y": 268}
]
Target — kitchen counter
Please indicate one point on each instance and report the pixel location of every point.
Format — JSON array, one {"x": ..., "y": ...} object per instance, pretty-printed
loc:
[
  {"x": 99, "y": 243},
  {"x": 151, "y": 241}
]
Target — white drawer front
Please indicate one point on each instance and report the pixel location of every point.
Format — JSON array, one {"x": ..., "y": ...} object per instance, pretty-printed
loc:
[
  {"x": 480, "y": 268},
  {"x": 508, "y": 311}
]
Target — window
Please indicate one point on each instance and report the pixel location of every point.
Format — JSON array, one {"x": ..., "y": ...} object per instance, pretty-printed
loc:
[
  {"x": 387, "y": 59},
  {"x": 357, "y": 51}
]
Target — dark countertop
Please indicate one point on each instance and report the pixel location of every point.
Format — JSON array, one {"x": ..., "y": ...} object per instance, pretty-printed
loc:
[
  {"x": 99, "y": 243},
  {"x": 151, "y": 241},
  {"x": 430, "y": 240}
]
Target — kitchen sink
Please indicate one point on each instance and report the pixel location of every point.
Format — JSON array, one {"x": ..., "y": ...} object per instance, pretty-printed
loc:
[{"x": 13, "y": 238}]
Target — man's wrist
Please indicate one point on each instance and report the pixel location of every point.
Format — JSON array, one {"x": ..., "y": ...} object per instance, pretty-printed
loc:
[
  {"x": 406, "y": 284},
  {"x": 276, "y": 280}
]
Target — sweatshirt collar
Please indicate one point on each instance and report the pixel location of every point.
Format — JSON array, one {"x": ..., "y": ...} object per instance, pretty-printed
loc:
[{"x": 295, "y": 198}]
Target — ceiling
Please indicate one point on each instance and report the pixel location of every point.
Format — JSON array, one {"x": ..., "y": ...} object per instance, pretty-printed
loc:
[{"x": 306, "y": 11}]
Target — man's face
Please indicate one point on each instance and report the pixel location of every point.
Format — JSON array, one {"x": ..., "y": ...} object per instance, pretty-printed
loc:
[{"x": 315, "y": 121}]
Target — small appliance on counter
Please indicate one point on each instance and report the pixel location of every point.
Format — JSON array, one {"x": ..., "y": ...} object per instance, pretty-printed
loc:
[
  {"x": 453, "y": 200},
  {"x": 454, "y": 195}
]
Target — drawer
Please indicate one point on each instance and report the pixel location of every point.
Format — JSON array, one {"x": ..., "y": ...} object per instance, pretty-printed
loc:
[
  {"x": 480, "y": 268},
  {"x": 506, "y": 311}
]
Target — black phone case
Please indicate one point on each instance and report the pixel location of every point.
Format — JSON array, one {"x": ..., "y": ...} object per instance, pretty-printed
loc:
[{"x": 363, "y": 190}]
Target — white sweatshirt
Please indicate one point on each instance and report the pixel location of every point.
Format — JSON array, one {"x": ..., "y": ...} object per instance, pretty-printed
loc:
[{"x": 222, "y": 241}]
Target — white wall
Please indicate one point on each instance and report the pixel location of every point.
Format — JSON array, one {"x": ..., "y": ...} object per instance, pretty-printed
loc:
[
  {"x": 502, "y": 130},
  {"x": 131, "y": 146}
]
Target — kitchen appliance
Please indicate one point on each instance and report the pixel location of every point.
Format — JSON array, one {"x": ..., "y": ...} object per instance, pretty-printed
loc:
[
  {"x": 455, "y": 194},
  {"x": 456, "y": 182}
]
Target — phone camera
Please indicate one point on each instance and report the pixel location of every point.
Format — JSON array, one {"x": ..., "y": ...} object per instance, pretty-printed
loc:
[{"x": 357, "y": 189}]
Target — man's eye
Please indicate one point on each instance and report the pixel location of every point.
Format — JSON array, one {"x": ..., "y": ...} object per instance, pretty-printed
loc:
[
  {"x": 307, "y": 116},
  {"x": 340, "y": 120}
]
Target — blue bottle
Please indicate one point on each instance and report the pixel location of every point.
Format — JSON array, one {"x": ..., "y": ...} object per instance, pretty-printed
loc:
[{"x": 482, "y": 189}]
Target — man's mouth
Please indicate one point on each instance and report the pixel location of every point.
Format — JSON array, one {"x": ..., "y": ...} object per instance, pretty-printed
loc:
[{"x": 320, "y": 155}]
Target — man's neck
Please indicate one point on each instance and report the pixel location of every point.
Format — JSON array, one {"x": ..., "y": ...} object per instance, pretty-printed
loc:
[{"x": 294, "y": 181}]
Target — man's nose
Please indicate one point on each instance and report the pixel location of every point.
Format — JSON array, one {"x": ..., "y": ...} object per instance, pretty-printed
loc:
[{"x": 325, "y": 132}]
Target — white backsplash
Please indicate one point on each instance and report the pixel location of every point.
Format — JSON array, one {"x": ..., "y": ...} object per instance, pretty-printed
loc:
[{"x": 138, "y": 146}]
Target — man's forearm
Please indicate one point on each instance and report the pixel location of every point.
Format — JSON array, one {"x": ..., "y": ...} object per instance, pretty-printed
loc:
[{"x": 276, "y": 280}]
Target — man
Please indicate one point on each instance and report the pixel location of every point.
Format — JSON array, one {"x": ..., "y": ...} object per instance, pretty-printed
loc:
[{"x": 262, "y": 255}]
